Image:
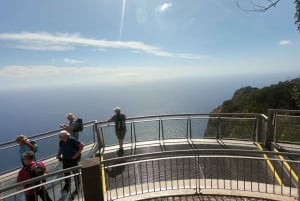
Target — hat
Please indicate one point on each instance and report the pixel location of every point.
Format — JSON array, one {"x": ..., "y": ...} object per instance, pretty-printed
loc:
[
  {"x": 61, "y": 133},
  {"x": 70, "y": 115},
  {"x": 117, "y": 109}
]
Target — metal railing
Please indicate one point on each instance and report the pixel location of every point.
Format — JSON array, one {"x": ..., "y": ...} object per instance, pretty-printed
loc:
[
  {"x": 195, "y": 170},
  {"x": 53, "y": 183},
  {"x": 236, "y": 126},
  {"x": 198, "y": 170},
  {"x": 47, "y": 143}
]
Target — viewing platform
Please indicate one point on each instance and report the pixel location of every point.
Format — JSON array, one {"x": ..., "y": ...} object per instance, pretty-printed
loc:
[{"x": 240, "y": 156}]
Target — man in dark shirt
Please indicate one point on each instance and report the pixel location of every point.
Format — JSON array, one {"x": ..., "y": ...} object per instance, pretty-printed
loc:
[
  {"x": 69, "y": 153},
  {"x": 120, "y": 128}
]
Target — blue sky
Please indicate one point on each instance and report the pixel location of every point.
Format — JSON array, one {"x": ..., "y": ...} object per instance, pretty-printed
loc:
[{"x": 69, "y": 42}]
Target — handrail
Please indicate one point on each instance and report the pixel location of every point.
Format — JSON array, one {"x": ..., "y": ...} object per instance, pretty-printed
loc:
[
  {"x": 178, "y": 153},
  {"x": 47, "y": 134},
  {"x": 186, "y": 116},
  {"x": 44, "y": 140},
  {"x": 177, "y": 180},
  {"x": 257, "y": 126},
  {"x": 55, "y": 180},
  {"x": 198, "y": 171}
]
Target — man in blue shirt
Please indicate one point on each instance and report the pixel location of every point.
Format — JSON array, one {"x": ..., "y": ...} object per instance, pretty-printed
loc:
[{"x": 69, "y": 153}]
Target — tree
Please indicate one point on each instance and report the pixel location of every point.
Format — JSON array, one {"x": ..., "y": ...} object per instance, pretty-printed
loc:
[{"x": 265, "y": 5}]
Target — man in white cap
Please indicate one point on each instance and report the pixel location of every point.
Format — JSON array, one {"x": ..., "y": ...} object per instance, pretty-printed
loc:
[
  {"x": 69, "y": 153},
  {"x": 120, "y": 128}
]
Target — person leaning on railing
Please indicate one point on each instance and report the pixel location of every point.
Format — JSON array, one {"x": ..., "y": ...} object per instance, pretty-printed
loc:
[
  {"x": 69, "y": 153},
  {"x": 120, "y": 128}
]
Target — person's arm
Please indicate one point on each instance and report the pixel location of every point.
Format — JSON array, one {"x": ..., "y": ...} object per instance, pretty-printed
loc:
[
  {"x": 113, "y": 118},
  {"x": 80, "y": 148},
  {"x": 29, "y": 144},
  {"x": 20, "y": 178},
  {"x": 58, "y": 156},
  {"x": 66, "y": 127}
]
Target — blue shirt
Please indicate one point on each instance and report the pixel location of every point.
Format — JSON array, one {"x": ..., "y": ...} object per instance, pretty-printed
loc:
[
  {"x": 23, "y": 148},
  {"x": 68, "y": 149}
]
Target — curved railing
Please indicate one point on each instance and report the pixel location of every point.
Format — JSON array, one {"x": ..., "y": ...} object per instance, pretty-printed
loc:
[
  {"x": 200, "y": 171},
  {"x": 163, "y": 129},
  {"x": 146, "y": 176},
  {"x": 47, "y": 143},
  {"x": 236, "y": 126}
]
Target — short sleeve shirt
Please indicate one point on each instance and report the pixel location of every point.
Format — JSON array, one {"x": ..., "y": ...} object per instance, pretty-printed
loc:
[
  {"x": 115, "y": 119},
  {"x": 68, "y": 149}
]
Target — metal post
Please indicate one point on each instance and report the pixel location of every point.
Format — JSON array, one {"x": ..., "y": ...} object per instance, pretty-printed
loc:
[
  {"x": 92, "y": 179},
  {"x": 298, "y": 187},
  {"x": 270, "y": 130},
  {"x": 258, "y": 130}
]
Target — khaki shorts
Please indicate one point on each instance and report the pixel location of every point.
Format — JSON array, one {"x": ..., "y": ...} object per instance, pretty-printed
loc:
[{"x": 120, "y": 134}]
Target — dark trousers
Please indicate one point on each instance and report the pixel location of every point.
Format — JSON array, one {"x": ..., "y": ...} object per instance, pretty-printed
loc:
[
  {"x": 67, "y": 163},
  {"x": 42, "y": 192}
]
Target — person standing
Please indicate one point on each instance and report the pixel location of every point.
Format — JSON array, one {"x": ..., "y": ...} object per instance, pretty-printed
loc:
[
  {"x": 120, "y": 128},
  {"x": 29, "y": 171},
  {"x": 71, "y": 126},
  {"x": 69, "y": 153},
  {"x": 25, "y": 145}
]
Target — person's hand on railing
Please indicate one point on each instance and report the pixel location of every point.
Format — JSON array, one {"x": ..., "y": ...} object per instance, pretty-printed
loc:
[{"x": 59, "y": 157}]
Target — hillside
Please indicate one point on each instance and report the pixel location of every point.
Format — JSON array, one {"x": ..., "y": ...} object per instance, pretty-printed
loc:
[{"x": 284, "y": 95}]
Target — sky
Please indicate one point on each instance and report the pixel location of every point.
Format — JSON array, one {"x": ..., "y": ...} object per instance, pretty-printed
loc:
[
  {"x": 148, "y": 56},
  {"x": 114, "y": 42}
]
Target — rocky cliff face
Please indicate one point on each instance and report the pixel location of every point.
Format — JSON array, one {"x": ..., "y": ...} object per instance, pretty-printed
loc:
[{"x": 283, "y": 95}]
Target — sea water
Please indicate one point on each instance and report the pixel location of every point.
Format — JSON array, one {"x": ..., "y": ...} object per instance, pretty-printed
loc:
[{"x": 37, "y": 110}]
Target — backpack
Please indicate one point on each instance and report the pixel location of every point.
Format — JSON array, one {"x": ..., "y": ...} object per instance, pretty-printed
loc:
[
  {"x": 35, "y": 171},
  {"x": 35, "y": 146},
  {"x": 78, "y": 125},
  {"x": 120, "y": 122}
]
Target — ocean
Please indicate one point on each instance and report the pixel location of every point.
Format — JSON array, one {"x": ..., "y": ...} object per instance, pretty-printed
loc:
[{"x": 35, "y": 111}]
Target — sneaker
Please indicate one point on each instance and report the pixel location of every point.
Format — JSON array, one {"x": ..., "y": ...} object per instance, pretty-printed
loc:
[
  {"x": 66, "y": 188},
  {"x": 120, "y": 152},
  {"x": 75, "y": 192}
]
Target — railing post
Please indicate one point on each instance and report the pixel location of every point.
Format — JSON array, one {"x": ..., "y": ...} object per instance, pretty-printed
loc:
[
  {"x": 258, "y": 133},
  {"x": 270, "y": 129},
  {"x": 92, "y": 179},
  {"x": 218, "y": 128},
  {"x": 298, "y": 187},
  {"x": 100, "y": 140}
]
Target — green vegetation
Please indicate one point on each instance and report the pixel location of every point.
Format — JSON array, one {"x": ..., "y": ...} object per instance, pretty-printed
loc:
[{"x": 284, "y": 95}]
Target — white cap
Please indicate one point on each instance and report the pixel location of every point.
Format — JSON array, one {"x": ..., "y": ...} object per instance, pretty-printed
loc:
[
  {"x": 117, "y": 109},
  {"x": 64, "y": 132}
]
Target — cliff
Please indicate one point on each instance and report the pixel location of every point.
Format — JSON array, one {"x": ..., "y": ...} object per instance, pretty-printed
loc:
[{"x": 283, "y": 95}]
